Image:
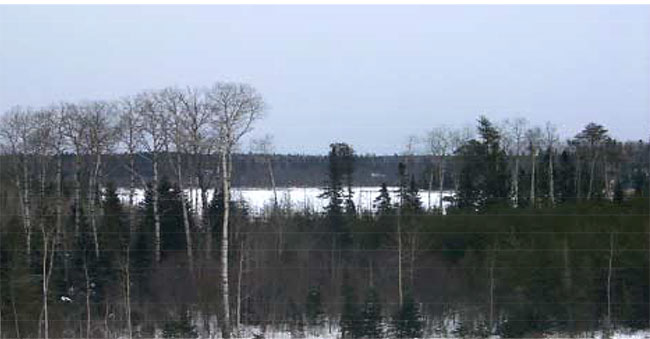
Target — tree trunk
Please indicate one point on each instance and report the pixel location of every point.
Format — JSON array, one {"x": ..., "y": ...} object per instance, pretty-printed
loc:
[
  {"x": 441, "y": 174},
  {"x": 205, "y": 216},
  {"x": 186, "y": 218},
  {"x": 413, "y": 244},
  {"x": 608, "y": 323},
  {"x": 430, "y": 187},
  {"x": 515, "y": 181},
  {"x": 93, "y": 192},
  {"x": 132, "y": 197},
  {"x": 127, "y": 292},
  {"x": 551, "y": 183},
  {"x": 225, "y": 296},
  {"x": 399, "y": 254},
  {"x": 239, "y": 281},
  {"x": 156, "y": 206},
  {"x": 272, "y": 177},
  {"x": 44, "y": 286},
  {"x": 491, "y": 292},
  {"x": 592, "y": 170},
  {"x": 532, "y": 178},
  {"x": 15, "y": 314},
  {"x": 608, "y": 190},
  {"x": 578, "y": 177},
  {"x": 23, "y": 187},
  {"x": 87, "y": 298}
]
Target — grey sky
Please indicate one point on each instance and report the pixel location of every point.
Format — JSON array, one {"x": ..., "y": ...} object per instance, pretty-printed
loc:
[{"x": 367, "y": 75}]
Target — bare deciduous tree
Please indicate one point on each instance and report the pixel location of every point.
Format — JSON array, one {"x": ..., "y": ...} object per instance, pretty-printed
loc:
[
  {"x": 100, "y": 136},
  {"x": 16, "y": 129},
  {"x": 154, "y": 124},
  {"x": 550, "y": 141},
  {"x": 235, "y": 107},
  {"x": 533, "y": 137},
  {"x": 516, "y": 130},
  {"x": 438, "y": 144},
  {"x": 172, "y": 102}
]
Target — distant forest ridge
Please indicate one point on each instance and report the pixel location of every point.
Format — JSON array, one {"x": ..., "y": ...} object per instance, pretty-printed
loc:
[
  {"x": 291, "y": 170},
  {"x": 250, "y": 170}
]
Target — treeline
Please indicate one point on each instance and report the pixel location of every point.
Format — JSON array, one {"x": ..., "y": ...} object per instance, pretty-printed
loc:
[
  {"x": 541, "y": 236},
  {"x": 250, "y": 169}
]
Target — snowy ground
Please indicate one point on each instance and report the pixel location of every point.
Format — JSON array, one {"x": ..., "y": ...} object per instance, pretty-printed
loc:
[
  {"x": 299, "y": 198},
  {"x": 255, "y": 332}
]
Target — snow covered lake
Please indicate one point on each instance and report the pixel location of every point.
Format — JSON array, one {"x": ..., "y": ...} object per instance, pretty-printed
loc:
[{"x": 299, "y": 198}]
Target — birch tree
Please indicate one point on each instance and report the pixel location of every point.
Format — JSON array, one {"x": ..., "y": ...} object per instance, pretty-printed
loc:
[
  {"x": 593, "y": 136},
  {"x": 172, "y": 102},
  {"x": 99, "y": 138},
  {"x": 16, "y": 129},
  {"x": 235, "y": 107},
  {"x": 516, "y": 132},
  {"x": 75, "y": 134},
  {"x": 130, "y": 137},
  {"x": 264, "y": 148},
  {"x": 533, "y": 138},
  {"x": 550, "y": 141},
  {"x": 154, "y": 124},
  {"x": 438, "y": 144},
  {"x": 201, "y": 143}
]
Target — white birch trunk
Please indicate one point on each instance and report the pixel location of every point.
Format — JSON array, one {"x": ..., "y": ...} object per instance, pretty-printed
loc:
[
  {"x": 186, "y": 218},
  {"x": 156, "y": 212},
  {"x": 225, "y": 296}
]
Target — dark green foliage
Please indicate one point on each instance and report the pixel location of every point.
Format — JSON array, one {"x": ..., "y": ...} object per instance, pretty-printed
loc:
[
  {"x": 296, "y": 322},
  {"x": 407, "y": 322},
  {"x": 484, "y": 178},
  {"x": 371, "y": 320},
  {"x": 314, "y": 307},
  {"x": 180, "y": 328},
  {"x": 546, "y": 265},
  {"x": 338, "y": 191},
  {"x": 351, "y": 321},
  {"x": 382, "y": 202}
]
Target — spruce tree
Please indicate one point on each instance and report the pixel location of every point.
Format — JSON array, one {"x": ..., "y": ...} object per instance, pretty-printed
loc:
[
  {"x": 351, "y": 326},
  {"x": 371, "y": 320},
  {"x": 314, "y": 307},
  {"x": 382, "y": 202},
  {"x": 407, "y": 322}
]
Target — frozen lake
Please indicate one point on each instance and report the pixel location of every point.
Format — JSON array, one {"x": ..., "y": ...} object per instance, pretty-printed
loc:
[{"x": 299, "y": 198}]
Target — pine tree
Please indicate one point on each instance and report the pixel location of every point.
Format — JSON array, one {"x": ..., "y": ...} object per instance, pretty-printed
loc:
[{"x": 407, "y": 322}]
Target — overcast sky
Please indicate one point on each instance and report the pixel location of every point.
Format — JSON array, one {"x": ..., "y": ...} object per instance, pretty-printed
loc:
[{"x": 366, "y": 75}]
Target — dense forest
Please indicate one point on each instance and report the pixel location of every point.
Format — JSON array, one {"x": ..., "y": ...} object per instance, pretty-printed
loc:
[{"x": 541, "y": 235}]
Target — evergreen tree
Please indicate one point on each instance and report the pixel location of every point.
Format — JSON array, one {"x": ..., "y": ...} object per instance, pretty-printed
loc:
[
  {"x": 407, "y": 322},
  {"x": 484, "y": 178},
  {"x": 371, "y": 316},
  {"x": 296, "y": 323},
  {"x": 351, "y": 324},
  {"x": 565, "y": 178},
  {"x": 340, "y": 201},
  {"x": 382, "y": 202},
  {"x": 314, "y": 307},
  {"x": 411, "y": 202},
  {"x": 181, "y": 328}
]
